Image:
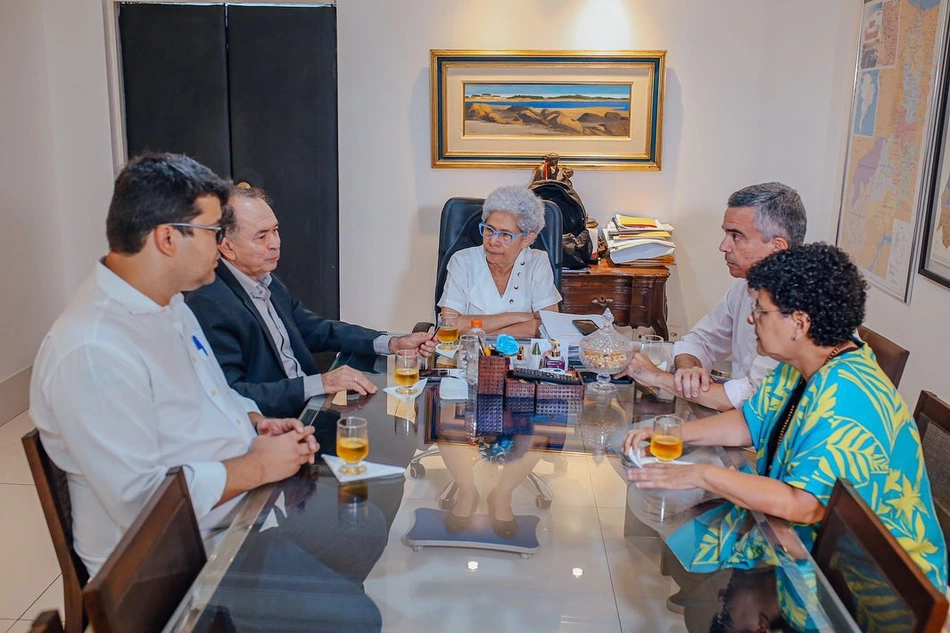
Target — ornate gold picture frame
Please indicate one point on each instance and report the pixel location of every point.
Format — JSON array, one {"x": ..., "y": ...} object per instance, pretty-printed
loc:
[{"x": 596, "y": 109}]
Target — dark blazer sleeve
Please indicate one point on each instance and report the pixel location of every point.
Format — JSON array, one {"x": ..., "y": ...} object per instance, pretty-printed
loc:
[
  {"x": 321, "y": 334},
  {"x": 241, "y": 351}
]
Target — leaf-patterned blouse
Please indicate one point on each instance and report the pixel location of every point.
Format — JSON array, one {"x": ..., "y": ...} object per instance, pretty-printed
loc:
[{"x": 850, "y": 423}]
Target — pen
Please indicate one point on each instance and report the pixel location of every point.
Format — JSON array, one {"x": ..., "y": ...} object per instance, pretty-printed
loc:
[{"x": 198, "y": 345}]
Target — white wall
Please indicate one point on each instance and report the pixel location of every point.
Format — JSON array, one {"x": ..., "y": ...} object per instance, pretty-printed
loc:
[
  {"x": 746, "y": 102},
  {"x": 55, "y": 178}
]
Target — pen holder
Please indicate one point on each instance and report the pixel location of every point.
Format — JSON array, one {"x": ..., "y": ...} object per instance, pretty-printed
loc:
[{"x": 491, "y": 375}]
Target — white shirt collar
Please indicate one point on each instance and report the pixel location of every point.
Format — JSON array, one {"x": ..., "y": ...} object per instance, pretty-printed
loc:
[
  {"x": 257, "y": 289},
  {"x": 126, "y": 294},
  {"x": 519, "y": 261}
]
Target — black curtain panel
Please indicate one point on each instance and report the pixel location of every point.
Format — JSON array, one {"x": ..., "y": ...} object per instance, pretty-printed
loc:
[
  {"x": 283, "y": 83},
  {"x": 174, "y": 71},
  {"x": 250, "y": 91}
]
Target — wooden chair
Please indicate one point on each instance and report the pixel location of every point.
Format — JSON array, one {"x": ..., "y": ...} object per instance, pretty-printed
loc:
[
  {"x": 47, "y": 622},
  {"x": 890, "y": 356},
  {"x": 878, "y": 582},
  {"x": 933, "y": 422},
  {"x": 53, "y": 489},
  {"x": 153, "y": 566}
]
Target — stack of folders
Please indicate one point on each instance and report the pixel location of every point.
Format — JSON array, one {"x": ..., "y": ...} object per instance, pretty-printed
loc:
[{"x": 639, "y": 241}]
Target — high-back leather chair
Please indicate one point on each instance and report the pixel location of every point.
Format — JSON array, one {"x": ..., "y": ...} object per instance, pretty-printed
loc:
[
  {"x": 890, "y": 356},
  {"x": 460, "y": 218},
  {"x": 153, "y": 566},
  {"x": 933, "y": 422},
  {"x": 53, "y": 490},
  {"x": 878, "y": 582}
]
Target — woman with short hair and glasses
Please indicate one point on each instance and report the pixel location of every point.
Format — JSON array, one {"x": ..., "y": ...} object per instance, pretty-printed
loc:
[
  {"x": 826, "y": 411},
  {"x": 503, "y": 282}
]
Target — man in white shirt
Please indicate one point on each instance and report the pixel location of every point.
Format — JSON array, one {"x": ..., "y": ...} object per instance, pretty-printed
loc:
[
  {"x": 262, "y": 336},
  {"x": 125, "y": 384},
  {"x": 759, "y": 220}
]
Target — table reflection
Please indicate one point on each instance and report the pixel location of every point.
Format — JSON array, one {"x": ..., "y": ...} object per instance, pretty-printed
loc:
[{"x": 311, "y": 554}]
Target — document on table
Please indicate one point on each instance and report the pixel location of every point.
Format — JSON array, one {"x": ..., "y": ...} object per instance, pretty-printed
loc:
[{"x": 560, "y": 326}]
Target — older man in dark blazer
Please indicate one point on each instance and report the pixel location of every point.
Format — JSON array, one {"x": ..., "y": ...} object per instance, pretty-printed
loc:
[{"x": 261, "y": 336}]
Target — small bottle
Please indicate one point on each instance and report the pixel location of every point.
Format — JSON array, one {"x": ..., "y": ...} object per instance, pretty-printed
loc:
[
  {"x": 520, "y": 359},
  {"x": 534, "y": 361},
  {"x": 480, "y": 333},
  {"x": 553, "y": 359}
]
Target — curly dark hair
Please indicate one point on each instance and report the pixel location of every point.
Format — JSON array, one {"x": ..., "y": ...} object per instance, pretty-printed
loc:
[{"x": 821, "y": 281}]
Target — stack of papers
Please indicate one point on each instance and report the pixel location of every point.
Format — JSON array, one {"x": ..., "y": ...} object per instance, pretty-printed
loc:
[{"x": 646, "y": 241}]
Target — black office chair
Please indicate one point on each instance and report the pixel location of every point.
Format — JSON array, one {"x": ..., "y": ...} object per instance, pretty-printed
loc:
[{"x": 460, "y": 218}]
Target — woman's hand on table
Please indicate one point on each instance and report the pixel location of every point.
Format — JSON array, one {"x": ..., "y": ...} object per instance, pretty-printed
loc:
[
  {"x": 668, "y": 476},
  {"x": 634, "y": 439}
]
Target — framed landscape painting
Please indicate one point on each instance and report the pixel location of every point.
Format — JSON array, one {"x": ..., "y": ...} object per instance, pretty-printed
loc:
[{"x": 597, "y": 110}]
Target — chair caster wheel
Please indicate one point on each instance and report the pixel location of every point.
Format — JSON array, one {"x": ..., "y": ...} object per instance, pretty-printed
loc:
[
  {"x": 417, "y": 471},
  {"x": 542, "y": 503},
  {"x": 417, "y": 548},
  {"x": 447, "y": 504},
  {"x": 526, "y": 556}
]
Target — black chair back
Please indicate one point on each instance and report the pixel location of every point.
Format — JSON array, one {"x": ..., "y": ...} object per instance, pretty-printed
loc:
[
  {"x": 460, "y": 218},
  {"x": 878, "y": 582},
  {"x": 53, "y": 490},
  {"x": 153, "y": 566}
]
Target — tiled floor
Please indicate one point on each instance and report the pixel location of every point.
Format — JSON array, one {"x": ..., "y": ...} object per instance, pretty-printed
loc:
[{"x": 29, "y": 574}]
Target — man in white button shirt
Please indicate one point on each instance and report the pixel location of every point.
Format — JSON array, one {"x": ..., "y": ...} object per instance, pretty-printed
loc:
[
  {"x": 126, "y": 386},
  {"x": 262, "y": 336},
  {"x": 759, "y": 220}
]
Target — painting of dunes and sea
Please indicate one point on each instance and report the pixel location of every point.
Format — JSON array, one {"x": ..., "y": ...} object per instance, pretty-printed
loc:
[{"x": 548, "y": 109}]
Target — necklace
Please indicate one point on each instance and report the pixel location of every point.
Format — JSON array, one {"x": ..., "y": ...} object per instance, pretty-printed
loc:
[{"x": 776, "y": 438}]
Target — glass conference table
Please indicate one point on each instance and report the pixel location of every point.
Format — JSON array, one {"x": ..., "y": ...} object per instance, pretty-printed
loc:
[{"x": 576, "y": 548}]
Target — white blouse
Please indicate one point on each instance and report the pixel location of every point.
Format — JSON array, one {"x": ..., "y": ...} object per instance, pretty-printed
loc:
[{"x": 470, "y": 289}]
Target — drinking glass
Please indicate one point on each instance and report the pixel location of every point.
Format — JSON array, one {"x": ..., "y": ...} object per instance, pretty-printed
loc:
[
  {"x": 407, "y": 370},
  {"x": 467, "y": 358},
  {"x": 658, "y": 351},
  {"x": 667, "y": 441},
  {"x": 654, "y": 348},
  {"x": 448, "y": 333},
  {"x": 352, "y": 444}
]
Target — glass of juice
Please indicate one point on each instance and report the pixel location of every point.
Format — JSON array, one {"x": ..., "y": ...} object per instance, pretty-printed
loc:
[
  {"x": 652, "y": 347},
  {"x": 407, "y": 370},
  {"x": 667, "y": 441},
  {"x": 352, "y": 444},
  {"x": 448, "y": 333}
]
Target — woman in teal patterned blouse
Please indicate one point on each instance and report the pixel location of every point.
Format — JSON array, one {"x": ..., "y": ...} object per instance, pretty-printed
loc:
[{"x": 827, "y": 411}]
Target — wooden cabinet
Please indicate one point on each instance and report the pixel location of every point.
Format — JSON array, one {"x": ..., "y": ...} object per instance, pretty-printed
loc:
[{"x": 636, "y": 296}]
